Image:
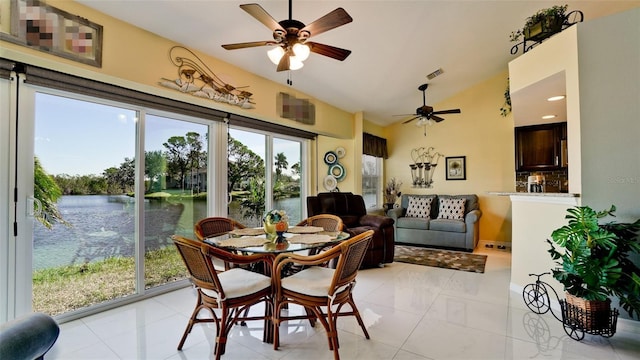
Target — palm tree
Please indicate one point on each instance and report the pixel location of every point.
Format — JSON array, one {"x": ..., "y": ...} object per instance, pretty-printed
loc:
[
  {"x": 47, "y": 192},
  {"x": 281, "y": 163}
]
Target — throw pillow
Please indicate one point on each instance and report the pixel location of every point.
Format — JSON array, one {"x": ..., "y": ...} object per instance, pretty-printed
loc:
[
  {"x": 452, "y": 209},
  {"x": 419, "y": 207}
]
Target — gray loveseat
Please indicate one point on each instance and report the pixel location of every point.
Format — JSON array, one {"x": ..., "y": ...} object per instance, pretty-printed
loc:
[{"x": 462, "y": 233}]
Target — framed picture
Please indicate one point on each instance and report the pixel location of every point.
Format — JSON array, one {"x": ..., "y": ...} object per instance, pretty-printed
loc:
[
  {"x": 43, "y": 27},
  {"x": 456, "y": 168}
]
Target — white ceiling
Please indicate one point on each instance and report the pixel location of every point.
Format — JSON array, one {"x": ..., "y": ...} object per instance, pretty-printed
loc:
[{"x": 394, "y": 43}]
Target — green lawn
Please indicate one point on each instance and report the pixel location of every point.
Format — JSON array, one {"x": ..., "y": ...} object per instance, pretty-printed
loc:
[{"x": 67, "y": 288}]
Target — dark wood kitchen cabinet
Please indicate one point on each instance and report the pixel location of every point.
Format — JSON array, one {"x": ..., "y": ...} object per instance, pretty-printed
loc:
[{"x": 541, "y": 147}]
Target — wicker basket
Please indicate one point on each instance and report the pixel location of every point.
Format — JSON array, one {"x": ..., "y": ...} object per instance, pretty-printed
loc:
[{"x": 590, "y": 315}]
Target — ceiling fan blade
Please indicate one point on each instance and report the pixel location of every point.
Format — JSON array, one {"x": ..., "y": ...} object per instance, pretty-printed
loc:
[
  {"x": 332, "y": 20},
  {"x": 247, "y": 45},
  {"x": 328, "y": 50},
  {"x": 284, "y": 63},
  {"x": 405, "y": 115},
  {"x": 410, "y": 120},
  {"x": 436, "y": 118},
  {"x": 453, "y": 111},
  {"x": 262, "y": 15}
]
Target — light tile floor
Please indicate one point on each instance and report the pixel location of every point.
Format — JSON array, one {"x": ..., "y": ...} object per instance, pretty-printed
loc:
[{"x": 411, "y": 312}]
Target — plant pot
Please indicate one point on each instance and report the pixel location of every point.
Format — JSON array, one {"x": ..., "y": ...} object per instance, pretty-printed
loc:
[
  {"x": 543, "y": 28},
  {"x": 589, "y": 315}
]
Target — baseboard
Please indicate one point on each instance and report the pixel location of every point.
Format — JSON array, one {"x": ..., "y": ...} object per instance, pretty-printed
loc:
[{"x": 497, "y": 245}]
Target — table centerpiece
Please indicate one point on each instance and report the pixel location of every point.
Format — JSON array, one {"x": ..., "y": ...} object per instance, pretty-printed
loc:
[{"x": 276, "y": 222}]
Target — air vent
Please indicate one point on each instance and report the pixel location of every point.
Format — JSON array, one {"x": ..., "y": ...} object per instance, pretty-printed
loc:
[{"x": 435, "y": 73}]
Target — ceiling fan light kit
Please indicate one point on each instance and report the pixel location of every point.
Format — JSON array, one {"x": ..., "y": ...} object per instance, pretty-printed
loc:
[
  {"x": 290, "y": 37},
  {"x": 425, "y": 114}
]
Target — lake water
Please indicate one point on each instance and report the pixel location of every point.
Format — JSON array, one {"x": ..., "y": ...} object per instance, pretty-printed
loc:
[{"x": 104, "y": 225}]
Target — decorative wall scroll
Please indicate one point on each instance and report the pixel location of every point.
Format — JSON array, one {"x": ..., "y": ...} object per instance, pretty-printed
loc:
[
  {"x": 336, "y": 171},
  {"x": 46, "y": 28},
  {"x": 424, "y": 164},
  {"x": 456, "y": 168},
  {"x": 197, "y": 79}
]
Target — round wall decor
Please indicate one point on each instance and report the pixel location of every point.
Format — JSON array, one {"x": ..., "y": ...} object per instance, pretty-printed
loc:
[
  {"x": 337, "y": 171},
  {"x": 330, "y": 158},
  {"x": 330, "y": 182}
]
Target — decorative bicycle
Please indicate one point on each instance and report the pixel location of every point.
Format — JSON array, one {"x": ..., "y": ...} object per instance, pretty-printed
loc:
[{"x": 574, "y": 319}]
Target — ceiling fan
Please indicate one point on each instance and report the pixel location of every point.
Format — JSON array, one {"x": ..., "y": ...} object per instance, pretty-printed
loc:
[
  {"x": 290, "y": 37},
  {"x": 425, "y": 113}
]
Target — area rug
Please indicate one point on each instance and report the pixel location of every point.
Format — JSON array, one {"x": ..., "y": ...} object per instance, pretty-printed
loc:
[{"x": 456, "y": 260}]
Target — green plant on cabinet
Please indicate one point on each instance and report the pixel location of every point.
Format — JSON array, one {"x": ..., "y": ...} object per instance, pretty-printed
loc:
[
  {"x": 542, "y": 24},
  {"x": 594, "y": 259}
]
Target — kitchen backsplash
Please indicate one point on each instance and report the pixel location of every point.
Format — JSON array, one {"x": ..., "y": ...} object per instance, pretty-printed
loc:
[{"x": 556, "y": 181}]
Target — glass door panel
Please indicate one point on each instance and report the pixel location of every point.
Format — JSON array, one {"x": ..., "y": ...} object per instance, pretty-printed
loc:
[
  {"x": 175, "y": 183},
  {"x": 286, "y": 178},
  {"x": 84, "y": 239},
  {"x": 246, "y": 181}
]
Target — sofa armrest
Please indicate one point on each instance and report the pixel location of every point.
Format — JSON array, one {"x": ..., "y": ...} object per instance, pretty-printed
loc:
[
  {"x": 377, "y": 221},
  {"x": 395, "y": 213},
  {"x": 28, "y": 337},
  {"x": 472, "y": 216}
]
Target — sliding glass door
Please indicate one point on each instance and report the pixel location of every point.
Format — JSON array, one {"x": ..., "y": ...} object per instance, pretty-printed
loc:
[
  {"x": 103, "y": 216},
  {"x": 252, "y": 189},
  {"x": 175, "y": 191},
  {"x": 101, "y": 187},
  {"x": 286, "y": 179},
  {"x": 84, "y": 239}
]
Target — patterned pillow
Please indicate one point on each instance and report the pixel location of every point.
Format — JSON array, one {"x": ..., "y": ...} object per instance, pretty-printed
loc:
[
  {"x": 452, "y": 209},
  {"x": 419, "y": 207}
]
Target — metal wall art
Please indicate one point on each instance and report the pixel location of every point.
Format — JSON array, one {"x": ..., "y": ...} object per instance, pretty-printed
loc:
[
  {"x": 425, "y": 161},
  {"x": 197, "y": 79},
  {"x": 336, "y": 171},
  {"x": 48, "y": 29}
]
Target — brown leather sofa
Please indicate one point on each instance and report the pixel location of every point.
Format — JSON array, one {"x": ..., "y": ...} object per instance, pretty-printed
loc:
[{"x": 351, "y": 209}]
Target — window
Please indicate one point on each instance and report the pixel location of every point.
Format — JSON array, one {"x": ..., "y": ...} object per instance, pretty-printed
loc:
[
  {"x": 372, "y": 181},
  {"x": 251, "y": 191},
  {"x": 131, "y": 169}
]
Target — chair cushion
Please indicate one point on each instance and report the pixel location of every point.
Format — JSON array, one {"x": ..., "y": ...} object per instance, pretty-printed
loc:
[
  {"x": 413, "y": 223},
  {"x": 448, "y": 225},
  {"x": 452, "y": 209},
  {"x": 419, "y": 207},
  {"x": 314, "y": 281},
  {"x": 239, "y": 282}
]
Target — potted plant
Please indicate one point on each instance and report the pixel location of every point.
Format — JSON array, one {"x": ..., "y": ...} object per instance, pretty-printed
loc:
[
  {"x": 542, "y": 24},
  {"x": 392, "y": 192},
  {"x": 593, "y": 264}
]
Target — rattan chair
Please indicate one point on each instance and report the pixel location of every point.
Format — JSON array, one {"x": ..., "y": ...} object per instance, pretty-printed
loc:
[
  {"x": 326, "y": 221},
  {"x": 215, "y": 226},
  {"x": 231, "y": 291},
  {"x": 317, "y": 287}
]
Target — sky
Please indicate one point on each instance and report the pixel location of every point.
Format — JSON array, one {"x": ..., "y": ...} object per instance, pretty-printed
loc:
[{"x": 76, "y": 137}]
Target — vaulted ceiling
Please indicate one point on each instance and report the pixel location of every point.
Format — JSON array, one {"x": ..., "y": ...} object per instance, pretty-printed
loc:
[{"x": 394, "y": 43}]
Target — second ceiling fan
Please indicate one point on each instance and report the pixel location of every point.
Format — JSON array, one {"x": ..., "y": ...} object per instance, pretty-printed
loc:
[
  {"x": 425, "y": 113},
  {"x": 290, "y": 37}
]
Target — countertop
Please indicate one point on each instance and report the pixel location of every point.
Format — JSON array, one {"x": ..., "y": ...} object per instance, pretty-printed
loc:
[{"x": 544, "y": 194}]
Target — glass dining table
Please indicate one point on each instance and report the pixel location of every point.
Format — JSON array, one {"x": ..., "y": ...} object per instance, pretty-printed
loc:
[
  {"x": 253, "y": 240},
  {"x": 291, "y": 241}
]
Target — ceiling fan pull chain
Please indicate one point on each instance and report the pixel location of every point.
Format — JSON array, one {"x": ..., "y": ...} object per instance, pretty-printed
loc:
[{"x": 289, "y": 81}]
